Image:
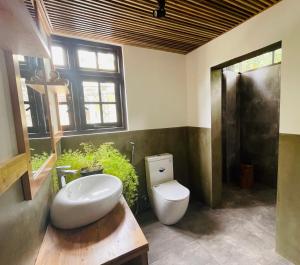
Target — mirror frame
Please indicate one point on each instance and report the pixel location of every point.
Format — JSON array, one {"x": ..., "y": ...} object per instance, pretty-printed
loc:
[{"x": 30, "y": 185}]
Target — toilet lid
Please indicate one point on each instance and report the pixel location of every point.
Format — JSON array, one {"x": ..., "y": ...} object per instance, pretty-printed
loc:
[{"x": 172, "y": 190}]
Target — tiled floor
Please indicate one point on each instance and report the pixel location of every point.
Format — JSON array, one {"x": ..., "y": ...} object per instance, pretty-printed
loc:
[{"x": 241, "y": 232}]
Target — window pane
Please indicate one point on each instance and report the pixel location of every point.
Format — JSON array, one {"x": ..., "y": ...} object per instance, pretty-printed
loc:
[
  {"x": 64, "y": 115},
  {"x": 24, "y": 90},
  {"x": 92, "y": 113},
  {"x": 58, "y": 57},
  {"x": 91, "y": 91},
  {"x": 28, "y": 115},
  {"x": 235, "y": 68},
  {"x": 257, "y": 62},
  {"x": 264, "y": 60},
  {"x": 278, "y": 56},
  {"x": 62, "y": 97},
  {"x": 246, "y": 66},
  {"x": 109, "y": 113},
  {"x": 108, "y": 92},
  {"x": 21, "y": 58},
  {"x": 106, "y": 61},
  {"x": 87, "y": 59}
]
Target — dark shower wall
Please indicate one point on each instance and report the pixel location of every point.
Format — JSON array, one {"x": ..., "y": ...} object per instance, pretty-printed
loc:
[
  {"x": 259, "y": 121},
  {"x": 231, "y": 125}
]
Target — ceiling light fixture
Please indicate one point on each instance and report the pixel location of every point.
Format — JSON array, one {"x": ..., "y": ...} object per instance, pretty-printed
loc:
[{"x": 160, "y": 12}]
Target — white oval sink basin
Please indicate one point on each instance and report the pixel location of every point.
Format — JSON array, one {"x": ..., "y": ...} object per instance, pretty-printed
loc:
[{"x": 85, "y": 200}]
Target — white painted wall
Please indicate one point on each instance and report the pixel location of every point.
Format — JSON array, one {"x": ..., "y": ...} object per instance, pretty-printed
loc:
[
  {"x": 156, "y": 88},
  {"x": 281, "y": 22},
  {"x": 8, "y": 146},
  {"x": 169, "y": 90},
  {"x": 156, "y": 94}
]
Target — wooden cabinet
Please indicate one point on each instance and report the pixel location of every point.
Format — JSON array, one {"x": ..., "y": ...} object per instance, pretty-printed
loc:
[{"x": 115, "y": 239}]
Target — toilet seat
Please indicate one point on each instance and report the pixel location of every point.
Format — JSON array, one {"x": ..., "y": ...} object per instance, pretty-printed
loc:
[
  {"x": 169, "y": 199},
  {"x": 172, "y": 191}
]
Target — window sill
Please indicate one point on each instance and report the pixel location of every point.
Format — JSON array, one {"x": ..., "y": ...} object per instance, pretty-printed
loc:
[
  {"x": 94, "y": 131},
  {"x": 38, "y": 136}
]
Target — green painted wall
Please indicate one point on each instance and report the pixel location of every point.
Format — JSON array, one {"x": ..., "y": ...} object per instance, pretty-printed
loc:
[
  {"x": 191, "y": 147},
  {"x": 147, "y": 142},
  {"x": 216, "y": 138},
  {"x": 22, "y": 224},
  {"x": 199, "y": 161},
  {"x": 288, "y": 199}
]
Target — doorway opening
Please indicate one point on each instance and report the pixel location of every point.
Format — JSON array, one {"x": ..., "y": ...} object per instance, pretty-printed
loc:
[
  {"x": 250, "y": 120},
  {"x": 245, "y": 121}
]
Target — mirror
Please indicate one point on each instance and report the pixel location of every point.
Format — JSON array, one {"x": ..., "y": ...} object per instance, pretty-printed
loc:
[
  {"x": 36, "y": 112},
  {"x": 33, "y": 87}
]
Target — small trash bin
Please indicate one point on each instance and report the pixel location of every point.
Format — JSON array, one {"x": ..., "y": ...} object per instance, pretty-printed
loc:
[{"x": 246, "y": 176}]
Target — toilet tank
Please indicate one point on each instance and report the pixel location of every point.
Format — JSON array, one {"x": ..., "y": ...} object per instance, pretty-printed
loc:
[{"x": 159, "y": 169}]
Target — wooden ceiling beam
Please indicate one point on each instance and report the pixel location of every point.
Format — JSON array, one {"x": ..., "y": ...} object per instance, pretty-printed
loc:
[
  {"x": 173, "y": 12},
  {"x": 30, "y": 7},
  {"x": 128, "y": 25},
  {"x": 204, "y": 13},
  {"x": 43, "y": 17},
  {"x": 137, "y": 23},
  {"x": 139, "y": 17},
  {"x": 92, "y": 37},
  {"x": 217, "y": 6},
  {"x": 41, "y": 5},
  {"x": 128, "y": 34},
  {"x": 141, "y": 38},
  {"x": 267, "y": 3},
  {"x": 259, "y": 4},
  {"x": 113, "y": 17},
  {"x": 188, "y": 24},
  {"x": 250, "y": 4},
  {"x": 189, "y": 39},
  {"x": 243, "y": 6}
]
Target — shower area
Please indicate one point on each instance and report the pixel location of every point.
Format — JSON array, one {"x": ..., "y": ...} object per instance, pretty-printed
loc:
[{"x": 250, "y": 119}]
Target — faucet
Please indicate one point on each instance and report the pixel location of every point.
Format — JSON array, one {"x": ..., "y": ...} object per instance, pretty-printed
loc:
[
  {"x": 132, "y": 151},
  {"x": 62, "y": 171}
]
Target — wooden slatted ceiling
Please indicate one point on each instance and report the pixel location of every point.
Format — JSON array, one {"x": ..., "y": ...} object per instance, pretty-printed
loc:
[
  {"x": 31, "y": 7},
  {"x": 188, "y": 25}
]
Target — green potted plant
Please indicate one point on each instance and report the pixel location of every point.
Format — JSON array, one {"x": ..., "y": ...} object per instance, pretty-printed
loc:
[
  {"x": 93, "y": 164},
  {"x": 104, "y": 158}
]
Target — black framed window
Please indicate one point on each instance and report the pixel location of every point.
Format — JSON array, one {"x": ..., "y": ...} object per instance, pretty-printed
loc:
[
  {"x": 262, "y": 60},
  {"x": 96, "y": 101},
  {"x": 34, "y": 102}
]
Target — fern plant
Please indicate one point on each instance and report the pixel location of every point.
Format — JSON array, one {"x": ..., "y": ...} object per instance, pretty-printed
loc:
[
  {"x": 37, "y": 160},
  {"x": 75, "y": 159},
  {"x": 112, "y": 161}
]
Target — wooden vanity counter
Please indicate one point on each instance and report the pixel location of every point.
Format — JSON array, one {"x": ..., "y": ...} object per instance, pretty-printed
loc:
[{"x": 115, "y": 239}]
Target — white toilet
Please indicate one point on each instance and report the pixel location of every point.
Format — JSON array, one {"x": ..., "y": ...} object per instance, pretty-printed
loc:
[{"x": 168, "y": 198}]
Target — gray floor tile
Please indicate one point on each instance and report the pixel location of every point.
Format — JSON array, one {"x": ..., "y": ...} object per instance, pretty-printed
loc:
[{"x": 240, "y": 232}]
